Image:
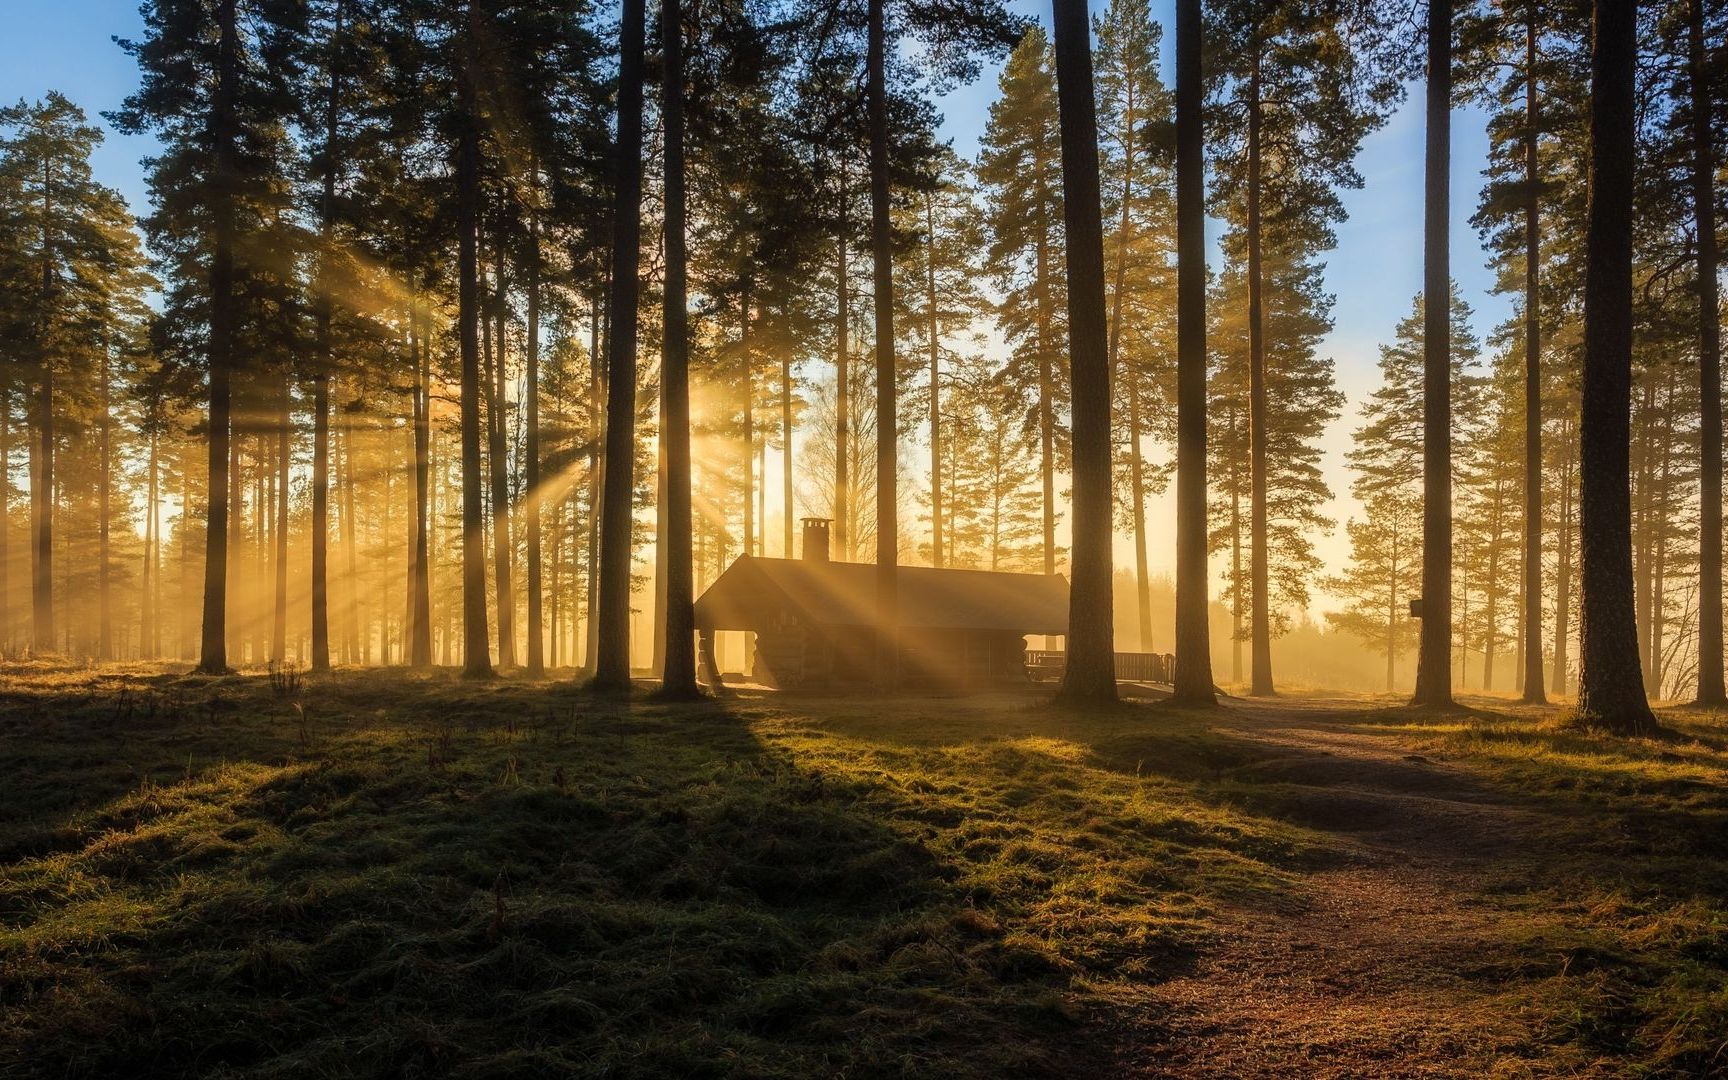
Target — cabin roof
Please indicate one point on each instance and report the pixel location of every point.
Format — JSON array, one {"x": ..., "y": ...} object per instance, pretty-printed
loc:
[{"x": 840, "y": 594}]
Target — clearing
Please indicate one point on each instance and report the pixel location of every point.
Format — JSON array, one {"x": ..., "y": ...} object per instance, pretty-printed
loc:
[{"x": 377, "y": 873}]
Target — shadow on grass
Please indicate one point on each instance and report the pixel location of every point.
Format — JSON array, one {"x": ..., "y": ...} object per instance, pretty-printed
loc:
[{"x": 418, "y": 876}]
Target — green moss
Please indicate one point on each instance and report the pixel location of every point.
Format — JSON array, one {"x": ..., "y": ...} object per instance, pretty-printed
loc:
[{"x": 413, "y": 875}]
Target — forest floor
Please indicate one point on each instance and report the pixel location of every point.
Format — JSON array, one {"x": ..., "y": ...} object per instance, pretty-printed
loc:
[{"x": 377, "y": 873}]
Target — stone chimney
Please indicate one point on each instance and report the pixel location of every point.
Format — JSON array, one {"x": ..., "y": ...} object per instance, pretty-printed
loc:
[{"x": 816, "y": 539}]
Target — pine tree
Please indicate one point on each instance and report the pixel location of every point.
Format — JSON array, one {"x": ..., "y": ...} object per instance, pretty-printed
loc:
[
  {"x": 941, "y": 280},
  {"x": 1301, "y": 400},
  {"x": 1491, "y": 483},
  {"x": 1090, "y": 673},
  {"x": 1611, "y": 689},
  {"x": 1383, "y": 574},
  {"x": 1433, "y": 667},
  {"x": 1194, "y": 684},
  {"x": 74, "y": 287},
  {"x": 1019, "y": 167},
  {"x": 218, "y": 98},
  {"x": 678, "y": 675},
  {"x": 1299, "y": 88},
  {"x": 1388, "y": 451},
  {"x": 1135, "y": 130},
  {"x": 1389, "y": 461},
  {"x": 1525, "y": 60}
]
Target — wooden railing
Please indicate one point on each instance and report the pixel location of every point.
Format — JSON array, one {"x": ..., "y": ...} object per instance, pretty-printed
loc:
[{"x": 1131, "y": 666}]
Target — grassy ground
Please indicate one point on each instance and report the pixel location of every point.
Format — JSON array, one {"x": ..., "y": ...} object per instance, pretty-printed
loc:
[{"x": 379, "y": 874}]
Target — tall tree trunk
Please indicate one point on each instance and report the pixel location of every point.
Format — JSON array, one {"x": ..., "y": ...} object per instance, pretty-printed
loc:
[
  {"x": 658, "y": 626},
  {"x": 678, "y": 673},
  {"x": 183, "y": 539},
  {"x": 5, "y": 514},
  {"x": 105, "y": 628},
  {"x": 498, "y": 455},
  {"x": 1392, "y": 619},
  {"x": 596, "y": 482},
  {"x": 1653, "y": 675},
  {"x": 1046, "y": 375},
  {"x": 263, "y": 506},
  {"x": 934, "y": 344},
  {"x": 887, "y": 389},
  {"x": 149, "y": 598},
  {"x": 612, "y": 665},
  {"x": 1530, "y": 633},
  {"x": 842, "y": 383},
  {"x": 1137, "y": 500},
  {"x": 1711, "y": 689},
  {"x": 1194, "y": 684},
  {"x": 1434, "y": 659},
  {"x": 322, "y": 312},
  {"x": 1610, "y": 689},
  {"x": 279, "y": 627},
  {"x": 355, "y": 647},
  {"x": 321, "y": 502},
  {"x": 1563, "y": 558},
  {"x": 786, "y": 497},
  {"x": 420, "y": 583},
  {"x": 1090, "y": 674},
  {"x": 531, "y": 449},
  {"x": 1118, "y": 296},
  {"x": 213, "y": 653},
  {"x": 1237, "y": 614},
  {"x": 476, "y": 650},
  {"x": 1260, "y": 652},
  {"x": 747, "y": 417},
  {"x": 42, "y": 447},
  {"x": 1643, "y": 516},
  {"x": 1491, "y": 613}
]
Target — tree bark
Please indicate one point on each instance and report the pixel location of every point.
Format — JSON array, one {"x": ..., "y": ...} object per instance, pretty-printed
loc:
[
  {"x": 1046, "y": 375},
  {"x": 1491, "y": 614},
  {"x": 1610, "y": 690},
  {"x": 612, "y": 664},
  {"x": 935, "y": 347},
  {"x": 105, "y": 628},
  {"x": 747, "y": 416},
  {"x": 150, "y": 630},
  {"x": 1434, "y": 658},
  {"x": 498, "y": 457},
  {"x": 1194, "y": 683},
  {"x": 1531, "y": 631},
  {"x": 322, "y": 314},
  {"x": 1260, "y": 622},
  {"x": 213, "y": 651},
  {"x": 279, "y": 623},
  {"x": 420, "y": 581},
  {"x": 1090, "y": 674},
  {"x": 1567, "y": 530},
  {"x": 786, "y": 495},
  {"x": 596, "y": 481},
  {"x": 842, "y": 383},
  {"x": 678, "y": 675},
  {"x": 5, "y": 514},
  {"x": 42, "y": 448},
  {"x": 476, "y": 650},
  {"x": 1118, "y": 290},
  {"x": 531, "y": 447},
  {"x": 1711, "y": 689},
  {"x": 887, "y": 390}
]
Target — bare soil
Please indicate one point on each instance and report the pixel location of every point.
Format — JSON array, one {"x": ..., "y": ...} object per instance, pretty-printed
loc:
[{"x": 1386, "y": 967}]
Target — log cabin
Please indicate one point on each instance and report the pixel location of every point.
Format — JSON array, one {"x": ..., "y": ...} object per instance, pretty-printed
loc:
[{"x": 815, "y": 619}]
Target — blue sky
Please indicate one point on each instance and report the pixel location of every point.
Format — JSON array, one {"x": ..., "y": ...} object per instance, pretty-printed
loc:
[{"x": 1374, "y": 272}]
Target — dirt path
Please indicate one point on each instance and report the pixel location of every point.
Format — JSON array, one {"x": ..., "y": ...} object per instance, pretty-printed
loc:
[{"x": 1386, "y": 969}]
